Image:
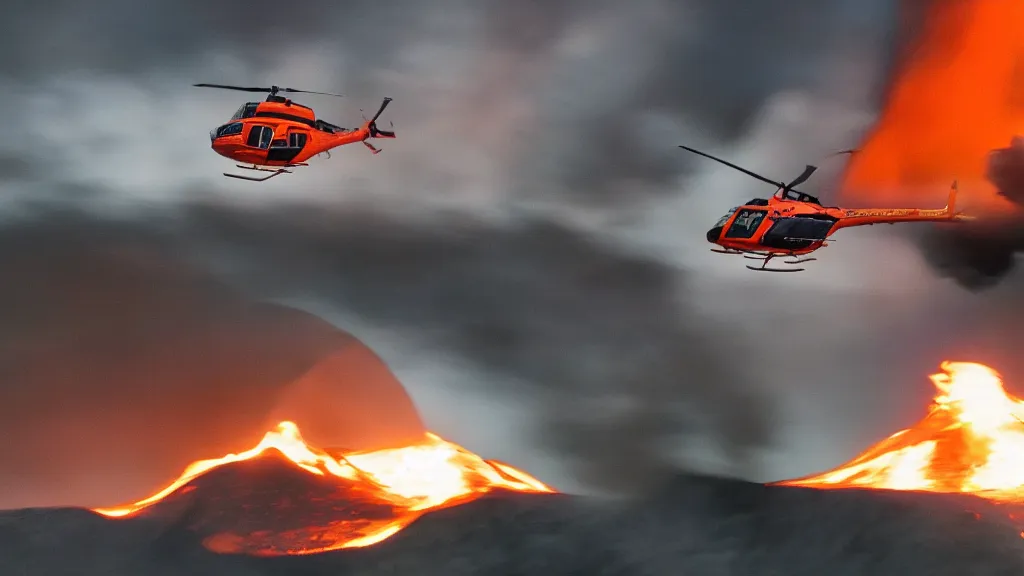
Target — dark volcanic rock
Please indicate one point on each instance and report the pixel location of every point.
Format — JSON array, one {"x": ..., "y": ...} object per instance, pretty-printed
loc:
[
  {"x": 268, "y": 505},
  {"x": 695, "y": 525}
]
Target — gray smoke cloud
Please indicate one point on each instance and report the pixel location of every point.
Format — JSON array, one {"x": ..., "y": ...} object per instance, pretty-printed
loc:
[{"x": 534, "y": 218}]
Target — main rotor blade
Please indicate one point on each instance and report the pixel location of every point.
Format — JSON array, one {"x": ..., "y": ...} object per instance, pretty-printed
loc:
[
  {"x": 734, "y": 167},
  {"x": 802, "y": 177},
  {"x": 240, "y": 88},
  {"x": 293, "y": 90},
  {"x": 271, "y": 90}
]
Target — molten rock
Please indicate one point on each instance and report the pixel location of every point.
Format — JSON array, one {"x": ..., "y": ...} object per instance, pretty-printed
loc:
[
  {"x": 287, "y": 497},
  {"x": 971, "y": 442},
  {"x": 691, "y": 526}
]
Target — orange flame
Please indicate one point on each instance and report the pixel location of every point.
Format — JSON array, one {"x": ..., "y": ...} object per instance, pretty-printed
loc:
[
  {"x": 971, "y": 441},
  {"x": 959, "y": 95},
  {"x": 407, "y": 481}
]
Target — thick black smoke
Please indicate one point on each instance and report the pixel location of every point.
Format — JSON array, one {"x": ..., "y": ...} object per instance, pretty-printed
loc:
[{"x": 980, "y": 254}]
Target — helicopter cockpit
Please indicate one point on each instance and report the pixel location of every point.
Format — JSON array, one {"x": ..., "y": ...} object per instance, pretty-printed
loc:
[{"x": 716, "y": 230}]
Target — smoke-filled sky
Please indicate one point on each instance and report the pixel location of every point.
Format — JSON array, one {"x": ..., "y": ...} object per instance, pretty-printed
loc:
[{"x": 528, "y": 256}]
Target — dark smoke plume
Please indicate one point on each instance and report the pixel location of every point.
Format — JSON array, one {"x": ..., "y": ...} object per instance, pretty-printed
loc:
[{"x": 980, "y": 254}]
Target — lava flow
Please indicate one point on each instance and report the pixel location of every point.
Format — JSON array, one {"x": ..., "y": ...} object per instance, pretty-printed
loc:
[
  {"x": 971, "y": 441},
  {"x": 958, "y": 95},
  {"x": 286, "y": 497}
]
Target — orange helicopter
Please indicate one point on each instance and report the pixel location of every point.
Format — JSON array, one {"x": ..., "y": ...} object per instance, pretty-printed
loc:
[
  {"x": 277, "y": 134},
  {"x": 792, "y": 223}
]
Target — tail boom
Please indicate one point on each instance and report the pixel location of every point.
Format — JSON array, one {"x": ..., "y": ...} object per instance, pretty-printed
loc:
[{"x": 866, "y": 216}]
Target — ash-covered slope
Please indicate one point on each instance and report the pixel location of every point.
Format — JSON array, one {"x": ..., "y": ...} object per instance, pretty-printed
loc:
[{"x": 695, "y": 525}]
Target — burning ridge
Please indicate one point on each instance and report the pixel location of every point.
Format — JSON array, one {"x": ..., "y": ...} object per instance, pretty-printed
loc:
[
  {"x": 970, "y": 442},
  {"x": 286, "y": 497},
  {"x": 936, "y": 498}
]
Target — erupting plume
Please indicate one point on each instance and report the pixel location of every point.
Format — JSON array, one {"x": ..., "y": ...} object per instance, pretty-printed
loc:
[
  {"x": 286, "y": 497},
  {"x": 971, "y": 441},
  {"x": 958, "y": 95}
]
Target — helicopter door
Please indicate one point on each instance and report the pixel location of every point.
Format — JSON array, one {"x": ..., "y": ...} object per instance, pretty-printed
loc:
[
  {"x": 292, "y": 147},
  {"x": 260, "y": 137}
]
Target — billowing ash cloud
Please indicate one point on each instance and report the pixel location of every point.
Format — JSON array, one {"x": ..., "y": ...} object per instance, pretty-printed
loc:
[
  {"x": 552, "y": 115},
  {"x": 980, "y": 254}
]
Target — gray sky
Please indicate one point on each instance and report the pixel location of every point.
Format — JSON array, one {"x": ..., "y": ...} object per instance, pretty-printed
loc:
[{"x": 529, "y": 254}]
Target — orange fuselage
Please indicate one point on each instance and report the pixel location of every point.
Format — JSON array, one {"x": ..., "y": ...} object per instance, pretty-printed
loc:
[
  {"x": 787, "y": 226},
  {"x": 279, "y": 133}
]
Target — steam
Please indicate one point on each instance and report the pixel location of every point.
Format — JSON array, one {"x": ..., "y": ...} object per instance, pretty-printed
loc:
[{"x": 534, "y": 218}]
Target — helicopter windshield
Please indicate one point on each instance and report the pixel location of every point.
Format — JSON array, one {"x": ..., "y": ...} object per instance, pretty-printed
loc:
[
  {"x": 247, "y": 110},
  {"x": 724, "y": 219}
]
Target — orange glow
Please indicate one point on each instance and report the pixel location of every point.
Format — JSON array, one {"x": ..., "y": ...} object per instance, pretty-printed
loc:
[
  {"x": 971, "y": 441},
  {"x": 959, "y": 95},
  {"x": 393, "y": 487}
]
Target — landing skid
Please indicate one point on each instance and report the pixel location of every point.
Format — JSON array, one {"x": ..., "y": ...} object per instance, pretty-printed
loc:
[
  {"x": 257, "y": 168},
  {"x": 764, "y": 263},
  {"x": 764, "y": 258}
]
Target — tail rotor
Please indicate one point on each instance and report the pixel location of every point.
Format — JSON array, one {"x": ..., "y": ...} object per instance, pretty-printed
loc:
[
  {"x": 371, "y": 125},
  {"x": 375, "y": 132}
]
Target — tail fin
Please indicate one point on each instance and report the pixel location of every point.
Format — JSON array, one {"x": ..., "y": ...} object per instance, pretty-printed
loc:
[{"x": 950, "y": 210}]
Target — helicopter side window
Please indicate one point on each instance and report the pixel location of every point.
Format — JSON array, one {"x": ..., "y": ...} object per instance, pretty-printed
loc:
[
  {"x": 746, "y": 223},
  {"x": 260, "y": 137},
  {"x": 289, "y": 148},
  {"x": 249, "y": 110}
]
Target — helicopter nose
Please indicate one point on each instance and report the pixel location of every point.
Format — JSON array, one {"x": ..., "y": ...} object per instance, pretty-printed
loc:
[{"x": 714, "y": 233}]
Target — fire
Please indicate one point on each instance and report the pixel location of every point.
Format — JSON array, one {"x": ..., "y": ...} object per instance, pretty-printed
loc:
[
  {"x": 971, "y": 441},
  {"x": 959, "y": 95},
  {"x": 351, "y": 499}
]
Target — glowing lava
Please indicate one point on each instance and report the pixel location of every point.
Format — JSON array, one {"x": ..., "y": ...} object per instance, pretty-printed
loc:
[
  {"x": 958, "y": 95},
  {"x": 286, "y": 497},
  {"x": 971, "y": 441}
]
